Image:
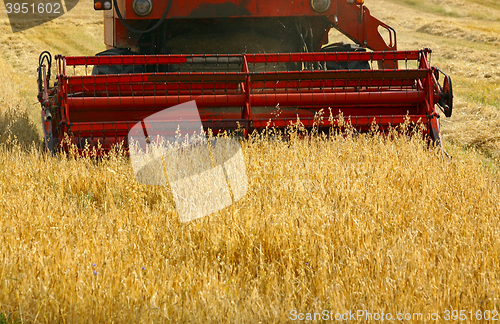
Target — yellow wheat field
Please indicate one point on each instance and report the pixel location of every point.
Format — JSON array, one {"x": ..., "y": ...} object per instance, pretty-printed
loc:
[{"x": 340, "y": 225}]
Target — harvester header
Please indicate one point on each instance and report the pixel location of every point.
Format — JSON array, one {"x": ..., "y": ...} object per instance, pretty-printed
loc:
[{"x": 248, "y": 65}]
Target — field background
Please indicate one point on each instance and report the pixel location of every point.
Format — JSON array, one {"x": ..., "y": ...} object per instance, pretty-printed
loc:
[{"x": 338, "y": 224}]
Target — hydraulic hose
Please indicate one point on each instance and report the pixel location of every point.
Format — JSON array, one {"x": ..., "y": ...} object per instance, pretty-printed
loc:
[{"x": 44, "y": 56}]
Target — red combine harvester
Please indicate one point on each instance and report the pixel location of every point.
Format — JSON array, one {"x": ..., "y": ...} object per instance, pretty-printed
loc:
[{"x": 248, "y": 64}]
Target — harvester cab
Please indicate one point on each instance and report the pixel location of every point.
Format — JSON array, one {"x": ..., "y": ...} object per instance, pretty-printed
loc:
[{"x": 239, "y": 60}]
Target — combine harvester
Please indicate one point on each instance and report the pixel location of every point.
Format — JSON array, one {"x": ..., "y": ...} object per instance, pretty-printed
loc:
[{"x": 248, "y": 64}]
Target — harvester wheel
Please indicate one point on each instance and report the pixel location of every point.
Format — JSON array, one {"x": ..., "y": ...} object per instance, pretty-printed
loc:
[
  {"x": 349, "y": 65},
  {"x": 447, "y": 96},
  {"x": 117, "y": 69}
]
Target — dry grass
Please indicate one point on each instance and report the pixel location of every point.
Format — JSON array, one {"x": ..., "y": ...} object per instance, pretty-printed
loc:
[
  {"x": 15, "y": 121},
  {"x": 333, "y": 224},
  {"x": 464, "y": 38},
  {"x": 80, "y": 32},
  {"x": 338, "y": 224}
]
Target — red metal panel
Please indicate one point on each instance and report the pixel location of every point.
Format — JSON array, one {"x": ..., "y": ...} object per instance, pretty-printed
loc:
[
  {"x": 359, "y": 122},
  {"x": 155, "y": 102},
  {"x": 229, "y": 8},
  {"x": 97, "y": 88},
  {"x": 341, "y": 74},
  {"x": 267, "y": 99},
  {"x": 337, "y": 99},
  {"x": 250, "y": 58}
]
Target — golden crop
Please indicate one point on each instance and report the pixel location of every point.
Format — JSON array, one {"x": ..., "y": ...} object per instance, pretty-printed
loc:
[{"x": 339, "y": 223}]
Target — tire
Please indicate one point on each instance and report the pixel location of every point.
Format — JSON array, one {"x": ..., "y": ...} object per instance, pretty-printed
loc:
[
  {"x": 351, "y": 65},
  {"x": 117, "y": 69}
]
